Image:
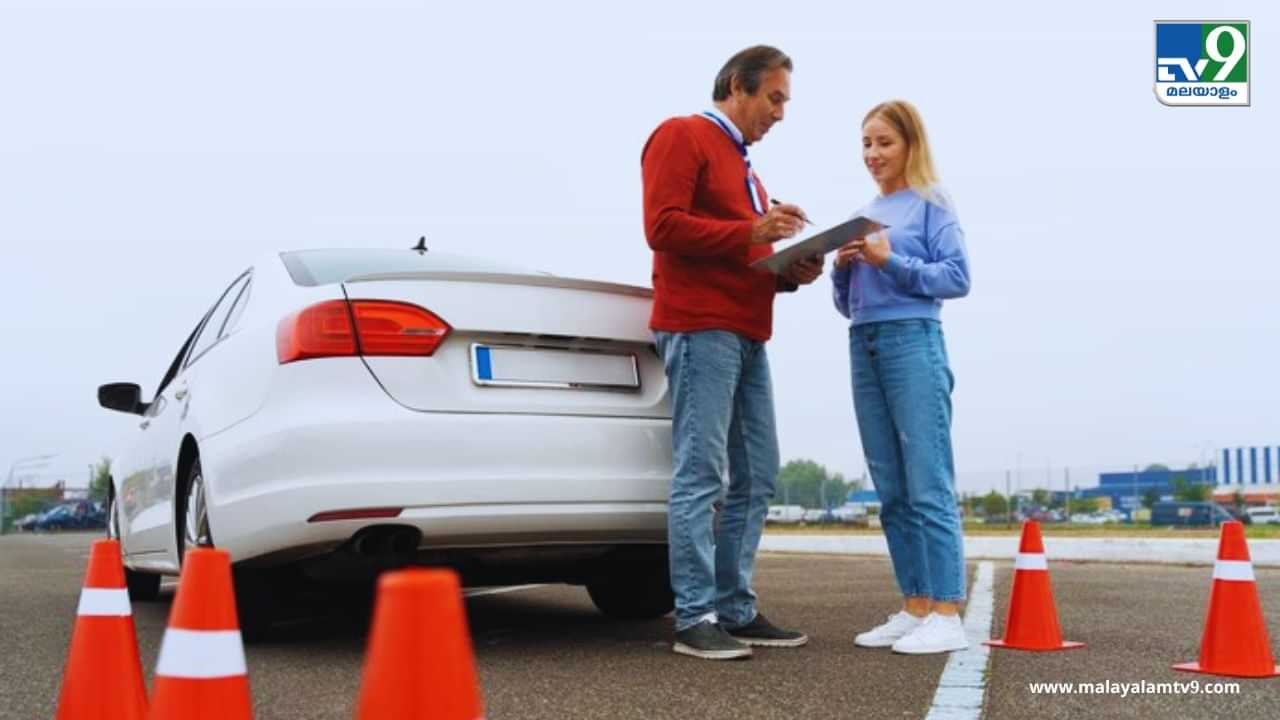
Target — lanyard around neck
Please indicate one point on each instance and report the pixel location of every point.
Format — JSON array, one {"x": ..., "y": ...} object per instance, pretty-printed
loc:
[{"x": 752, "y": 193}]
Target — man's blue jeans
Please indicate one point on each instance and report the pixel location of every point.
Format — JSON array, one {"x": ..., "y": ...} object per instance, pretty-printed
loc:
[
  {"x": 722, "y": 413},
  {"x": 902, "y": 397}
]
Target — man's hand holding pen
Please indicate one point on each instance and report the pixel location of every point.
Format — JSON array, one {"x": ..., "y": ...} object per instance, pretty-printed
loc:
[
  {"x": 792, "y": 218},
  {"x": 781, "y": 222}
]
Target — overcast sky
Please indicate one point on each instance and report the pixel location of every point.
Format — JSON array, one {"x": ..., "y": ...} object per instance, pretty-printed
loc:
[{"x": 1125, "y": 258}]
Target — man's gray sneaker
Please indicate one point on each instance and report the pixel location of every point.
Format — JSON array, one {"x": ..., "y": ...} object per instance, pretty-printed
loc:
[
  {"x": 763, "y": 633},
  {"x": 709, "y": 641}
]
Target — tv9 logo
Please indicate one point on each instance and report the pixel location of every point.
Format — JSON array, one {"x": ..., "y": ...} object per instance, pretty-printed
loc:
[{"x": 1202, "y": 62}]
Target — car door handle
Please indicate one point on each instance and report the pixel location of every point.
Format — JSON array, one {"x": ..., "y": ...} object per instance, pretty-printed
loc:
[
  {"x": 180, "y": 394},
  {"x": 144, "y": 424}
]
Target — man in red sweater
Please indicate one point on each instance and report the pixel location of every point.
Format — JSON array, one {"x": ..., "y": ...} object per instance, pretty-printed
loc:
[{"x": 707, "y": 218}]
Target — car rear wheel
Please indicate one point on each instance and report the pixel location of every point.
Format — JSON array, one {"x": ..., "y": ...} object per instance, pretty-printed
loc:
[
  {"x": 143, "y": 586},
  {"x": 635, "y": 586},
  {"x": 113, "y": 525},
  {"x": 257, "y": 596},
  {"x": 195, "y": 530}
]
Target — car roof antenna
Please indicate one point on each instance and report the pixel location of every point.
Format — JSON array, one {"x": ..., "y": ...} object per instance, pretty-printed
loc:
[{"x": 421, "y": 247}]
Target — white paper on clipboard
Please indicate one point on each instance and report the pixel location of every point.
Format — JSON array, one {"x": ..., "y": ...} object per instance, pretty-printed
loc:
[{"x": 820, "y": 244}]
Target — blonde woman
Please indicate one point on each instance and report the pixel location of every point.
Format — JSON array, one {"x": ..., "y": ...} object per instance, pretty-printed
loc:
[{"x": 891, "y": 285}]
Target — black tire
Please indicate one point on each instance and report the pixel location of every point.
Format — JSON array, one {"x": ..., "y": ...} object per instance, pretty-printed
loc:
[
  {"x": 636, "y": 586},
  {"x": 194, "y": 479},
  {"x": 143, "y": 586},
  {"x": 255, "y": 590},
  {"x": 112, "y": 528}
]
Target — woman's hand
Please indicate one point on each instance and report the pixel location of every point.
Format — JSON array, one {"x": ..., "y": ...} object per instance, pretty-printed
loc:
[
  {"x": 848, "y": 254},
  {"x": 874, "y": 248}
]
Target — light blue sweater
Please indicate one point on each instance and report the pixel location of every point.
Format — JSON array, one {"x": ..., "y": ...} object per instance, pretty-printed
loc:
[{"x": 928, "y": 263}]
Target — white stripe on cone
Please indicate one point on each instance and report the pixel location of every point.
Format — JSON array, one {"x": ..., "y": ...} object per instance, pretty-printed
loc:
[
  {"x": 108, "y": 602},
  {"x": 1233, "y": 570},
  {"x": 201, "y": 654},
  {"x": 1030, "y": 561}
]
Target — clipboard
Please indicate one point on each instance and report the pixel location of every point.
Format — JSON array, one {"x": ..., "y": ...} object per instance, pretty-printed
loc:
[{"x": 820, "y": 244}]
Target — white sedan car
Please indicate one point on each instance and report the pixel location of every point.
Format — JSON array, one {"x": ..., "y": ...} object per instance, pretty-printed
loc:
[{"x": 339, "y": 412}]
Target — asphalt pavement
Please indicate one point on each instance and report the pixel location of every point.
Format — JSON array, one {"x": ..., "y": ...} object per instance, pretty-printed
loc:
[{"x": 545, "y": 652}]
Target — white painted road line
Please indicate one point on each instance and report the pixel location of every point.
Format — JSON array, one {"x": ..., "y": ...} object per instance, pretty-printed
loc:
[
  {"x": 1175, "y": 551},
  {"x": 963, "y": 682},
  {"x": 496, "y": 591}
]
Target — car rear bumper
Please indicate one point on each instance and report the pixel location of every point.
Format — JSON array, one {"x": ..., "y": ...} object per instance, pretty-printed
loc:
[{"x": 463, "y": 480}]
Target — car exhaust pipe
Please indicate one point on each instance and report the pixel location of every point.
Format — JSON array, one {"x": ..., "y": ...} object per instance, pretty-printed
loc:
[
  {"x": 404, "y": 541},
  {"x": 363, "y": 542},
  {"x": 386, "y": 541}
]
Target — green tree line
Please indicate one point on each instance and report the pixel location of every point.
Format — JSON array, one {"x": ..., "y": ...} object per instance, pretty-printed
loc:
[{"x": 806, "y": 483}]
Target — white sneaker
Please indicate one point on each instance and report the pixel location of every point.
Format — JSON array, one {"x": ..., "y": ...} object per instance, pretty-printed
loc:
[
  {"x": 937, "y": 634},
  {"x": 886, "y": 634}
]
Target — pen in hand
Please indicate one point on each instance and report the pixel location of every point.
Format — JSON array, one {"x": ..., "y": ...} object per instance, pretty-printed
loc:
[{"x": 774, "y": 201}]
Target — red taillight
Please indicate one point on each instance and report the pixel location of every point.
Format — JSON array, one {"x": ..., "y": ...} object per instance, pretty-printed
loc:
[
  {"x": 384, "y": 328},
  {"x": 394, "y": 328},
  {"x": 362, "y": 514},
  {"x": 322, "y": 330}
]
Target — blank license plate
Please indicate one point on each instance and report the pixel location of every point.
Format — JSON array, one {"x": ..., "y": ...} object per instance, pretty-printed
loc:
[{"x": 538, "y": 367}]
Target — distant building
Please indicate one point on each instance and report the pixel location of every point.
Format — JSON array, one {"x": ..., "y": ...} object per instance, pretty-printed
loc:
[
  {"x": 1251, "y": 471},
  {"x": 863, "y": 501},
  {"x": 1125, "y": 490},
  {"x": 53, "y": 494}
]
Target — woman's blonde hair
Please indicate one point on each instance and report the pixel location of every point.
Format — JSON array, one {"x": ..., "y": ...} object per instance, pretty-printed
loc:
[{"x": 903, "y": 117}]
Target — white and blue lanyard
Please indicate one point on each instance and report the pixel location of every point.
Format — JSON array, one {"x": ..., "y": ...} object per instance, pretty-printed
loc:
[{"x": 742, "y": 150}]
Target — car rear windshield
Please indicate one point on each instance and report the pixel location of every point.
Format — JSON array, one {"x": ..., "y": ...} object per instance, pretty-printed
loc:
[{"x": 325, "y": 267}]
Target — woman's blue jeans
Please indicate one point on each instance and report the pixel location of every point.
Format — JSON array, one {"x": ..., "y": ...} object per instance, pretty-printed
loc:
[{"x": 902, "y": 398}]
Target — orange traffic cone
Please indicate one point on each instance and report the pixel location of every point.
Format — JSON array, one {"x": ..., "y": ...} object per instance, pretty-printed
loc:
[
  {"x": 419, "y": 663},
  {"x": 201, "y": 671},
  {"x": 1032, "y": 622},
  {"x": 1235, "y": 639},
  {"x": 103, "y": 678}
]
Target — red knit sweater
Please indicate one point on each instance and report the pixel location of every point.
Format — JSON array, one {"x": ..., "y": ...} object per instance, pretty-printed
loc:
[{"x": 697, "y": 219}]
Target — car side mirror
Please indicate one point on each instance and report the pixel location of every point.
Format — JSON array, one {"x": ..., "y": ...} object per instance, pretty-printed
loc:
[{"x": 125, "y": 397}]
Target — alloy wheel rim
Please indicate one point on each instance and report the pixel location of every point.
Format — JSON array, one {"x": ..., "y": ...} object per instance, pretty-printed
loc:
[
  {"x": 196, "y": 527},
  {"x": 113, "y": 522}
]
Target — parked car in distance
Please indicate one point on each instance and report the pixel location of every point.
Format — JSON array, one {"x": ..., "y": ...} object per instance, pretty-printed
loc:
[
  {"x": 28, "y": 522},
  {"x": 849, "y": 515},
  {"x": 1188, "y": 514},
  {"x": 74, "y": 515},
  {"x": 816, "y": 516},
  {"x": 1114, "y": 515},
  {"x": 785, "y": 514},
  {"x": 1263, "y": 515}
]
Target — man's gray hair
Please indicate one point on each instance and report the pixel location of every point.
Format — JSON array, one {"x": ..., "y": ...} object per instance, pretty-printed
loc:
[{"x": 748, "y": 66}]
